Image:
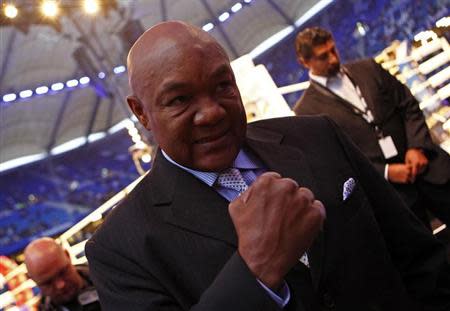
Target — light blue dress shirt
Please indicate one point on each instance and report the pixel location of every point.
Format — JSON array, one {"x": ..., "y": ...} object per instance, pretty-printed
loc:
[
  {"x": 250, "y": 169},
  {"x": 342, "y": 86}
]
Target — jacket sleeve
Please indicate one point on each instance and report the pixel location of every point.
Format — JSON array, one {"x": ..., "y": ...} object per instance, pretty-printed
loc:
[
  {"x": 417, "y": 133},
  {"x": 419, "y": 257},
  {"x": 123, "y": 284}
]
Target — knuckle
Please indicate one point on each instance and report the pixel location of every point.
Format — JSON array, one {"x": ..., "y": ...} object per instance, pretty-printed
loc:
[
  {"x": 306, "y": 193},
  {"x": 288, "y": 184}
]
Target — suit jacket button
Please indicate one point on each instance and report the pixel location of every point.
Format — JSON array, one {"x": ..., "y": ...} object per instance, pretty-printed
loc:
[{"x": 328, "y": 301}]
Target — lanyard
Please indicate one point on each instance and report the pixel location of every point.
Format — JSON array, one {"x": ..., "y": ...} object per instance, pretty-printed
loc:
[{"x": 366, "y": 114}]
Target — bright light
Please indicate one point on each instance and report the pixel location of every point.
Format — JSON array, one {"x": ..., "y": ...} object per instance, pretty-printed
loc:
[
  {"x": 119, "y": 69},
  {"x": 224, "y": 16},
  {"x": 72, "y": 83},
  {"x": 57, "y": 86},
  {"x": 319, "y": 6},
  {"x": 96, "y": 136},
  {"x": 136, "y": 138},
  {"x": 91, "y": 6},
  {"x": 49, "y": 8},
  {"x": 125, "y": 123},
  {"x": 247, "y": 1},
  {"x": 425, "y": 35},
  {"x": 10, "y": 11},
  {"x": 443, "y": 22},
  {"x": 236, "y": 7},
  {"x": 101, "y": 75},
  {"x": 41, "y": 90},
  {"x": 146, "y": 158},
  {"x": 84, "y": 80},
  {"x": 9, "y": 97},
  {"x": 70, "y": 145},
  {"x": 26, "y": 93},
  {"x": 132, "y": 131},
  {"x": 4, "y": 166},
  {"x": 208, "y": 27},
  {"x": 361, "y": 29}
]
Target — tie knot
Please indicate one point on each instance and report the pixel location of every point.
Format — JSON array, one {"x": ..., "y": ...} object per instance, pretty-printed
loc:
[{"x": 232, "y": 179}]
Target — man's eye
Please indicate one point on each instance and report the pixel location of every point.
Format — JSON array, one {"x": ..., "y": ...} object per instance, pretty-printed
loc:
[
  {"x": 179, "y": 100},
  {"x": 322, "y": 57},
  {"x": 226, "y": 87}
]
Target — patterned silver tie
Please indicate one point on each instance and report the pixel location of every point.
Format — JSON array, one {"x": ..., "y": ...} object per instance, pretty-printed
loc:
[{"x": 232, "y": 179}]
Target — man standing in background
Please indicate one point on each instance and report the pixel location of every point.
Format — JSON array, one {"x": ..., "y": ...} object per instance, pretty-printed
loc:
[{"x": 382, "y": 117}]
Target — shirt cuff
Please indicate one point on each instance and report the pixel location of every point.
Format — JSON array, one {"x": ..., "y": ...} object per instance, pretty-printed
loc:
[
  {"x": 386, "y": 169},
  {"x": 282, "y": 297}
]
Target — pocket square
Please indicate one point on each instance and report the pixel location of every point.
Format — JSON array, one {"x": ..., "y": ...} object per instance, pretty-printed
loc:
[{"x": 347, "y": 189}]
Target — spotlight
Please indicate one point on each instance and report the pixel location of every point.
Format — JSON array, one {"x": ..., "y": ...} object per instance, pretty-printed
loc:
[
  {"x": 146, "y": 158},
  {"x": 224, "y": 16},
  {"x": 25, "y": 93},
  {"x": 57, "y": 86},
  {"x": 91, "y": 6},
  {"x": 84, "y": 80},
  {"x": 41, "y": 90},
  {"x": 10, "y": 11},
  {"x": 119, "y": 69},
  {"x": 236, "y": 7},
  {"x": 72, "y": 83},
  {"x": 208, "y": 27},
  {"x": 49, "y": 8},
  {"x": 9, "y": 97}
]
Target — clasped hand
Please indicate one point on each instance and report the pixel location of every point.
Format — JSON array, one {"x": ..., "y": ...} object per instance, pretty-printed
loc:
[
  {"x": 415, "y": 164},
  {"x": 276, "y": 222}
]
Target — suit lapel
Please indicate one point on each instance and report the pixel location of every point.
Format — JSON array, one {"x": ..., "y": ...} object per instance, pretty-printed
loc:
[
  {"x": 364, "y": 88},
  {"x": 200, "y": 209},
  {"x": 193, "y": 206},
  {"x": 291, "y": 163}
]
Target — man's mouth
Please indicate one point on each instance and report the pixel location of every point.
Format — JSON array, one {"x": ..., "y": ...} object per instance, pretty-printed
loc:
[{"x": 211, "y": 138}]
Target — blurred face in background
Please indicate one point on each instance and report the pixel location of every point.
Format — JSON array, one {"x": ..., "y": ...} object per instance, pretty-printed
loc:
[
  {"x": 54, "y": 274},
  {"x": 324, "y": 61}
]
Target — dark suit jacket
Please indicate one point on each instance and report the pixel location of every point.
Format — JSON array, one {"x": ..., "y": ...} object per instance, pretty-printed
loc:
[
  {"x": 395, "y": 111},
  {"x": 171, "y": 245}
]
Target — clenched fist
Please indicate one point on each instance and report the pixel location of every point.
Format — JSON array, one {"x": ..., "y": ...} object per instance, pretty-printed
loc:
[{"x": 276, "y": 222}]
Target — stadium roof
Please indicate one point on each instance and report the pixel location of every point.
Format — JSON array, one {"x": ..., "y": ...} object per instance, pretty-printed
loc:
[{"x": 63, "y": 80}]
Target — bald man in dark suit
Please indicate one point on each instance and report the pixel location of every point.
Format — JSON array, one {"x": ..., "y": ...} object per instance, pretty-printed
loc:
[{"x": 279, "y": 214}]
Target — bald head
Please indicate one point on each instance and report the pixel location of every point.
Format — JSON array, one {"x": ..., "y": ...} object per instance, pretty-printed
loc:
[
  {"x": 49, "y": 265},
  {"x": 185, "y": 93},
  {"x": 158, "y": 45},
  {"x": 38, "y": 252}
]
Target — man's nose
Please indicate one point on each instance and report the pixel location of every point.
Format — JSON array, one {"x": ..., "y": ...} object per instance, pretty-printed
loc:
[
  {"x": 332, "y": 58},
  {"x": 59, "y": 283},
  {"x": 209, "y": 112}
]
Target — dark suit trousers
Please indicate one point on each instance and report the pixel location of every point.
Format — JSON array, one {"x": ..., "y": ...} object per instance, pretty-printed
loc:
[{"x": 436, "y": 199}]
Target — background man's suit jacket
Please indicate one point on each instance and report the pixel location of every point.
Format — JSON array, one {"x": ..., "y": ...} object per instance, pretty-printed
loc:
[
  {"x": 171, "y": 245},
  {"x": 395, "y": 110}
]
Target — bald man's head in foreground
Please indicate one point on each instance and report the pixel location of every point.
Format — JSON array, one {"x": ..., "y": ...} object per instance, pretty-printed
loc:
[
  {"x": 49, "y": 265},
  {"x": 184, "y": 91}
]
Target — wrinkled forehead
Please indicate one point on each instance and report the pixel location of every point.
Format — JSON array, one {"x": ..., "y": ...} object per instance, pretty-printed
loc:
[{"x": 167, "y": 49}]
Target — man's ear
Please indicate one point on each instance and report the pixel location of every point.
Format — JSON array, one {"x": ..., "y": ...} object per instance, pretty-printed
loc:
[
  {"x": 66, "y": 252},
  {"x": 303, "y": 62},
  {"x": 136, "y": 106}
]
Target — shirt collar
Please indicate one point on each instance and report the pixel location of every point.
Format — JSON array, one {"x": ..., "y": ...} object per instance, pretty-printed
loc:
[
  {"x": 243, "y": 160},
  {"x": 322, "y": 80}
]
